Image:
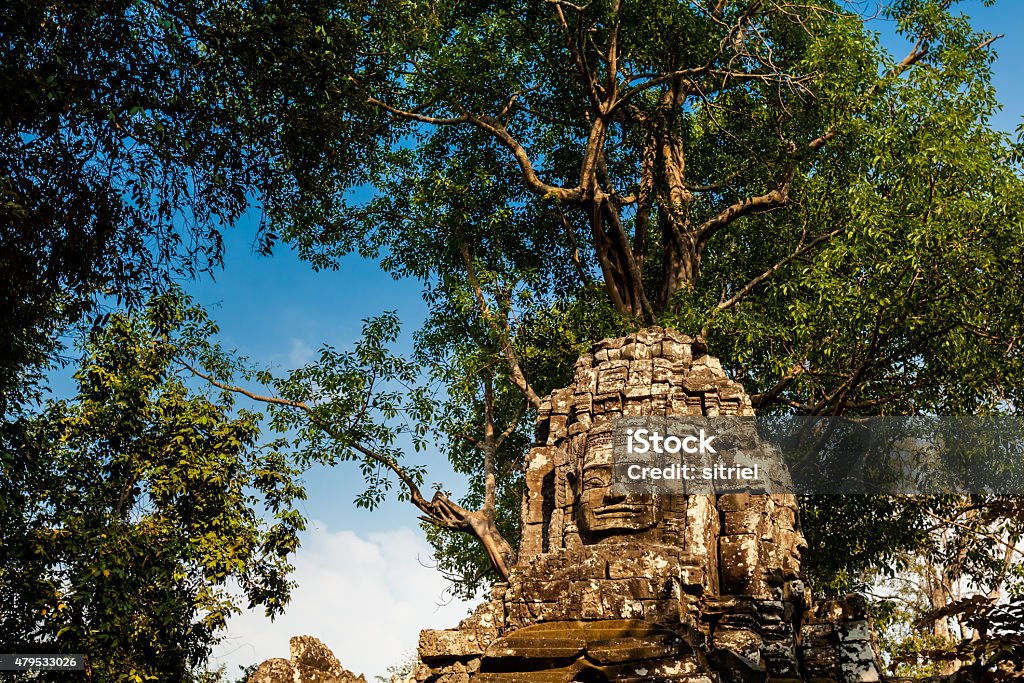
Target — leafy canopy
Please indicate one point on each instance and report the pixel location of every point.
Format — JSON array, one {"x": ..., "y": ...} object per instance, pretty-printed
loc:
[
  {"x": 140, "y": 514},
  {"x": 842, "y": 224},
  {"x": 119, "y": 166}
]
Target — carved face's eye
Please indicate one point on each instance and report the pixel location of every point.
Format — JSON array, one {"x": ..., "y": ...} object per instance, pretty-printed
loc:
[{"x": 596, "y": 478}]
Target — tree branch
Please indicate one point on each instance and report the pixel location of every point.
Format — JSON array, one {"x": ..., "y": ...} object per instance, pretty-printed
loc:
[
  {"x": 490, "y": 449},
  {"x": 530, "y": 177},
  {"x": 414, "y": 492},
  {"x": 655, "y": 81},
  {"x": 589, "y": 82},
  {"x": 490, "y": 125},
  {"x": 440, "y": 511},
  {"x": 613, "y": 53},
  {"x": 746, "y": 289},
  {"x": 511, "y": 428},
  {"x": 633, "y": 268},
  {"x": 574, "y": 246},
  {"x": 772, "y": 199},
  {"x": 411, "y": 115},
  {"x": 500, "y": 331}
]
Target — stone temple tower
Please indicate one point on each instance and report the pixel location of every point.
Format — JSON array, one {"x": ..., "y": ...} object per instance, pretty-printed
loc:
[{"x": 611, "y": 586}]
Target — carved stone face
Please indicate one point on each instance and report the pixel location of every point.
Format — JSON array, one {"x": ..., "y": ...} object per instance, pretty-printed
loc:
[{"x": 606, "y": 508}]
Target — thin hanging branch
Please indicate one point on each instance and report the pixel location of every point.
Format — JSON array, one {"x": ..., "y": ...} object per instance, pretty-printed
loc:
[
  {"x": 500, "y": 327},
  {"x": 440, "y": 511}
]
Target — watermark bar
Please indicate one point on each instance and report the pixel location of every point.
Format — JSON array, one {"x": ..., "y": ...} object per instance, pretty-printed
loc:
[
  {"x": 35, "y": 662},
  {"x": 816, "y": 455}
]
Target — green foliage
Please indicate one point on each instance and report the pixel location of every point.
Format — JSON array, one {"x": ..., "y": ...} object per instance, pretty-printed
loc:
[
  {"x": 849, "y": 537},
  {"x": 888, "y": 280},
  {"x": 221, "y": 675},
  {"x": 401, "y": 669},
  {"x": 140, "y": 514},
  {"x": 904, "y": 301},
  {"x": 911, "y": 309},
  {"x": 980, "y": 637},
  {"x": 856, "y": 541},
  {"x": 347, "y": 402},
  {"x": 942, "y": 572},
  {"x": 118, "y": 166}
]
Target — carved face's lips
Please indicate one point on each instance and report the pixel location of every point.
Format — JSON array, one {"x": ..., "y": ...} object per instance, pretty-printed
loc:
[{"x": 618, "y": 510}]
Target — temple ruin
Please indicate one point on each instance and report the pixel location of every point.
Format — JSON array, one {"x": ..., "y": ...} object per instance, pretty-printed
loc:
[{"x": 612, "y": 586}]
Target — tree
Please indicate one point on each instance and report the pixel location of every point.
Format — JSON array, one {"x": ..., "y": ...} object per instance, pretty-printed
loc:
[
  {"x": 118, "y": 168},
  {"x": 841, "y": 224},
  {"x": 139, "y": 514}
]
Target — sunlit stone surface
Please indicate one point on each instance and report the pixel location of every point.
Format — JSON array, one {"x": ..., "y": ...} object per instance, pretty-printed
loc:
[{"x": 620, "y": 587}]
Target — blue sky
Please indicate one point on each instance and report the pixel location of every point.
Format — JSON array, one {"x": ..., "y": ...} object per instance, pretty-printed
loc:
[{"x": 278, "y": 311}]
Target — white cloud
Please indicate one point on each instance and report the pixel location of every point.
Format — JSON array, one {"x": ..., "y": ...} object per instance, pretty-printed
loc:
[
  {"x": 299, "y": 353},
  {"x": 366, "y": 596}
]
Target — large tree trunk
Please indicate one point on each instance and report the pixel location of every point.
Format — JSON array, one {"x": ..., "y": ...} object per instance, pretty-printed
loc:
[{"x": 663, "y": 189}]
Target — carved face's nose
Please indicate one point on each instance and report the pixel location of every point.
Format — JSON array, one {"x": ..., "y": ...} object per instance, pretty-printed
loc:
[{"x": 616, "y": 492}]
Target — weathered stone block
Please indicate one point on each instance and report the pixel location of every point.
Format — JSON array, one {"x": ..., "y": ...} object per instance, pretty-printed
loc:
[
  {"x": 556, "y": 431},
  {"x": 746, "y": 521},
  {"x": 310, "y": 661},
  {"x": 641, "y": 373},
  {"x": 676, "y": 350},
  {"x": 739, "y": 562},
  {"x": 443, "y": 644}
]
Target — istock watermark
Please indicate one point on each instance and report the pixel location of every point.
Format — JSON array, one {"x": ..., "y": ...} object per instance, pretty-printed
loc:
[
  {"x": 647, "y": 441},
  {"x": 833, "y": 455}
]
